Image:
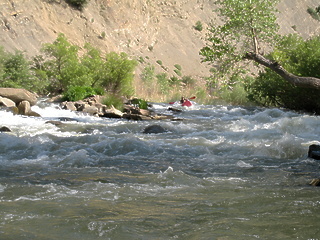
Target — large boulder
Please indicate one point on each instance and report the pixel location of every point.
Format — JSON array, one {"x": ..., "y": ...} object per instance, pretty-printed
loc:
[
  {"x": 314, "y": 151},
  {"x": 91, "y": 110},
  {"x": 112, "y": 113},
  {"x": 5, "y": 129},
  {"x": 6, "y": 102},
  {"x": 24, "y": 108},
  {"x": 18, "y": 95},
  {"x": 69, "y": 106}
]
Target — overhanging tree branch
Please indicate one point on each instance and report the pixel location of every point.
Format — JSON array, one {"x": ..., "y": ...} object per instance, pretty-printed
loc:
[{"x": 306, "y": 82}]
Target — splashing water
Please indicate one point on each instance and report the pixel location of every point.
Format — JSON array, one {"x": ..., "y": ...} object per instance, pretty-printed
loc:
[{"x": 220, "y": 173}]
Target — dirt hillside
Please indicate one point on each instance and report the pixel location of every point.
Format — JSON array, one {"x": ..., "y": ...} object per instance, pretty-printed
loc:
[{"x": 147, "y": 29}]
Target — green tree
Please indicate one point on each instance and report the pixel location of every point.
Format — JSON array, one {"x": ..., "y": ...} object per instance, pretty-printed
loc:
[
  {"x": 119, "y": 74},
  {"x": 63, "y": 67},
  {"x": 16, "y": 72},
  {"x": 247, "y": 25},
  {"x": 93, "y": 65}
]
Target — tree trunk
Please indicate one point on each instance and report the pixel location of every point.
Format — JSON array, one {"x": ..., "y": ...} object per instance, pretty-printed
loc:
[{"x": 306, "y": 82}]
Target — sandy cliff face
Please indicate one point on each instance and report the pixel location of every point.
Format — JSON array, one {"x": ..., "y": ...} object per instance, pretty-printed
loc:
[{"x": 151, "y": 29}]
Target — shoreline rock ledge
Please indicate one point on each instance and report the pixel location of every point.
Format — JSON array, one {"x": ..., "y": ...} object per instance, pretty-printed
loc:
[
  {"x": 19, "y": 100},
  {"x": 18, "y": 95}
]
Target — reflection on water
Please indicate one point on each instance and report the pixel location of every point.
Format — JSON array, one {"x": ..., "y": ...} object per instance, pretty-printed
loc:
[{"x": 221, "y": 173}]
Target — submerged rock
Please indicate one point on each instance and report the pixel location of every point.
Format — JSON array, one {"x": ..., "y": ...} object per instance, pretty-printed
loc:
[
  {"x": 174, "y": 109},
  {"x": 5, "y": 129},
  {"x": 314, "y": 151},
  {"x": 67, "y": 119},
  {"x": 56, "y": 123},
  {"x": 315, "y": 182},
  {"x": 154, "y": 129}
]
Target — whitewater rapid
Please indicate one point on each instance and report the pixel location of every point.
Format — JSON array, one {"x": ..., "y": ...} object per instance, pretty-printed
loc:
[{"x": 220, "y": 172}]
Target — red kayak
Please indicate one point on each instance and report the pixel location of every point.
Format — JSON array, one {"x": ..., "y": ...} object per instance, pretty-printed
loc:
[{"x": 186, "y": 103}]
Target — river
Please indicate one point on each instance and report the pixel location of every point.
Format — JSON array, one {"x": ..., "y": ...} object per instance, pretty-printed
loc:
[{"x": 222, "y": 172}]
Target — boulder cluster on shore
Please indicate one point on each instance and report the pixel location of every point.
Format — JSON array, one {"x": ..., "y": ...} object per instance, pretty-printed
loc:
[
  {"x": 18, "y": 100},
  {"x": 93, "y": 106}
]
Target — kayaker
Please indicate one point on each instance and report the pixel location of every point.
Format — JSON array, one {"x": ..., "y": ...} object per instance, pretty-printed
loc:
[
  {"x": 182, "y": 100},
  {"x": 185, "y": 102}
]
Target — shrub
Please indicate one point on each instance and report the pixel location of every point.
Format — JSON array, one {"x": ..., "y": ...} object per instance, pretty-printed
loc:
[
  {"x": 79, "y": 4},
  {"x": 62, "y": 64},
  {"x": 148, "y": 78},
  {"x": 159, "y": 62},
  {"x": 236, "y": 96},
  {"x": 65, "y": 68},
  {"x": 174, "y": 81},
  {"x": 198, "y": 26},
  {"x": 163, "y": 83},
  {"x": 188, "y": 80},
  {"x": 113, "y": 100},
  {"x": 141, "y": 103},
  {"x": 178, "y": 72},
  {"x": 16, "y": 71},
  {"x": 314, "y": 13},
  {"x": 79, "y": 92},
  {"x": 102, "y": 35},
  {"x": 141, "y": 60},
  {"x": 177, "y": 66}
]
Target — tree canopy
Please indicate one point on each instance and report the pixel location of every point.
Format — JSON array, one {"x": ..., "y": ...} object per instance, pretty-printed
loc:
[
  {"x": 249, "y": 28},
  {"x": 247, "y": 25},
  {"x": 66, "y": 69},
  {"x": 300, "y": 57}
]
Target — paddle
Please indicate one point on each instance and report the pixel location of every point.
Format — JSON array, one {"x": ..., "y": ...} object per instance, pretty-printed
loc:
[{"x": 194, "y": 97}]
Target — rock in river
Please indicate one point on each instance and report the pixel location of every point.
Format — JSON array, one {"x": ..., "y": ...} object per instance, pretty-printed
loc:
[
  {"x": 314, "y": 151},
  {"x": 154, "y": 129}
]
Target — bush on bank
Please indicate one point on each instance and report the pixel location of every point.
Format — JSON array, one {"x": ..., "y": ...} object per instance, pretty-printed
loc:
[{"x": 79, "y": 4}]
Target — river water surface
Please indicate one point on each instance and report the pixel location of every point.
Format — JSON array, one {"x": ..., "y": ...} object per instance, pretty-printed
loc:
[{"x": 223, "y": 172}]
